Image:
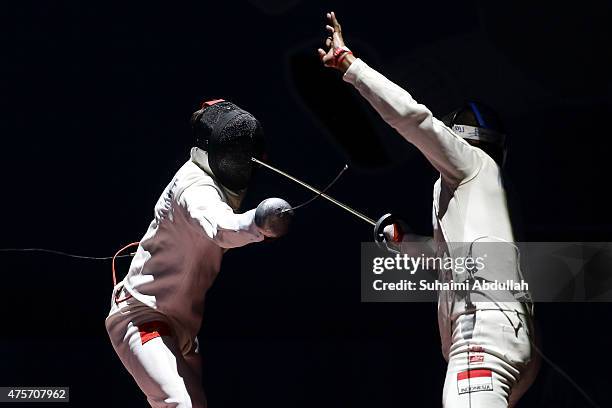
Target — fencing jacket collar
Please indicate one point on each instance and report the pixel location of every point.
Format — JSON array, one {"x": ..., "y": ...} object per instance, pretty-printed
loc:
[{"x": 200, "y": 157}]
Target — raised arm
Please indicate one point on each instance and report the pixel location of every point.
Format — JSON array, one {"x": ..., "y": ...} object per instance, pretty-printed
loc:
[{"x": 453, "y": 157}]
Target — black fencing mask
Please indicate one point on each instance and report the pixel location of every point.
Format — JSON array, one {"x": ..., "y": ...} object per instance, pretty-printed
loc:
[{"x": 231, "y": 136}]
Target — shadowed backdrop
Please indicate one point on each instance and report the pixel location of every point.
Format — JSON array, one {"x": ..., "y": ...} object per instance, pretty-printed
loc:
[{"x": 95, "y": 100}]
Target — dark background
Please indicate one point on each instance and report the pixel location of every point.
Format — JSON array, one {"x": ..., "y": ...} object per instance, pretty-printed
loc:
[{"x": 95, "y": 101}]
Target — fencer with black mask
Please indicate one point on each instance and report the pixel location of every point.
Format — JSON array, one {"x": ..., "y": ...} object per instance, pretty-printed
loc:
[
  {"x": 157, "y": 310},
  {"x": 487, "y": 342}
]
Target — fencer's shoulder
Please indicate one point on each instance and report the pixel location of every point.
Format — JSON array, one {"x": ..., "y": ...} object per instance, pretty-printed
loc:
[
  {"x": 191, "y": 176},
  {"x": 190, "y": 173},
  {"x": 490, "y": 166},
  {"x": 486, "y": 169}
]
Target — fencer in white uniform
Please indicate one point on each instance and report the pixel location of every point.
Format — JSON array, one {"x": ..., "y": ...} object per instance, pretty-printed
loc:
[
  {"x": 487, "y": 342},
  {"x": 156, "y": 311}
]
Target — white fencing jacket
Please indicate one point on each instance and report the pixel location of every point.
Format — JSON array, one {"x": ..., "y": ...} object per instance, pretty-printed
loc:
[
  {"x": 180, "y": 254},
  {"x": 469, "y": 201}
]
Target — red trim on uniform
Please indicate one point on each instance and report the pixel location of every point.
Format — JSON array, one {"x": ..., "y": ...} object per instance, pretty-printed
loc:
[
  {"x": 473, "y": 374},
  {"x": 398, "y": 234},
  {"x": 211, "y": 103},
  {"x": 150, "y": 330},
  {"x": 119, "y": 300}
]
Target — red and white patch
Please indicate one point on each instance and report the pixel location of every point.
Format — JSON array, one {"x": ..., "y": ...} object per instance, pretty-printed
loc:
[
  {"x": 476, "y": 354},
  {"x": 474, "y": 381},
  {"x": 150, "y": 330},
  {"x": 476, "y": 358}
]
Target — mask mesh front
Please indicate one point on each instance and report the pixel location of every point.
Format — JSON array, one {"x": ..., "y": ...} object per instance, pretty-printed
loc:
[
  {"x": 230, "y": 149},
  {"x": 231, "y": 154}
]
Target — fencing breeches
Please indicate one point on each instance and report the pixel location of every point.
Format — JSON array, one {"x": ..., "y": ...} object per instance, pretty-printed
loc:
[
  {"x": 164, "y": 362},
  {"x": 491, "y": 361}
]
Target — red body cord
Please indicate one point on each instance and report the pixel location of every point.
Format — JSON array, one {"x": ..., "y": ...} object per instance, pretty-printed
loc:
[{"x": 115, "y": 256}]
